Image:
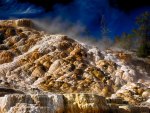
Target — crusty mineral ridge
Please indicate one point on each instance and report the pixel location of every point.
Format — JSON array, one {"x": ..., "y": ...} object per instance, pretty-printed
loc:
[
  {"x": 54, "y": 103},
  {"x": 63, "y": 103},
  {"x": 17, "y": 23},
  {"x": 36, "y": 62}
]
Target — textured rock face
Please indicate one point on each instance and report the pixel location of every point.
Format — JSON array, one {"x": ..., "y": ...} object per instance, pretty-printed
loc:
[
  {"x": 85, "y": 103},
  {"x": 24, "y": 23},
  {"x": 18, "y": 23},
  {"x": 64, "y": 103},
  {"x": 53, "y": 103},
  {"x": 34, "y": 62}
]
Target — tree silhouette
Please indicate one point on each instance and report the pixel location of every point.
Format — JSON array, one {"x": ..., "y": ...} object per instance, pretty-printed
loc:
[{"x": 144, "y": 32}]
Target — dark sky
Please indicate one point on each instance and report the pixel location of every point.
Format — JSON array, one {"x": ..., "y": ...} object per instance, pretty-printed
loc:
[
  {"x": 124, "y": 5},
  {"x": 129, "y": 5},
  {"x": 119, "y": 15},
  {"x": 48, "y": 4}
]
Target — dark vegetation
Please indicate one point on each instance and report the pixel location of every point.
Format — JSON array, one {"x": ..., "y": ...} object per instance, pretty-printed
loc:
[{"x": 139, "y": 39}]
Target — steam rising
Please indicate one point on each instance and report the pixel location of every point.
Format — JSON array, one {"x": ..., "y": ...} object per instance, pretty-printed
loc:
[
  {"x": 76, "y": 31},
  {"x": 58, "y": 26}
]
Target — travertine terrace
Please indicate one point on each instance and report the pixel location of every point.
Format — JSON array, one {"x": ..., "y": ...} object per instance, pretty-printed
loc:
[{"x": 44, "y": 73}]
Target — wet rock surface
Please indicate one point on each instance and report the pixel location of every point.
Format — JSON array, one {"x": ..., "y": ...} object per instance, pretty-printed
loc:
[{"x": 36, "y": 63}]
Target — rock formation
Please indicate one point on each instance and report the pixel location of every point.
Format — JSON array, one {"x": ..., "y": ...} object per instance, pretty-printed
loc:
[
  {"x": 55, "y": 73},
  {"x": 53, "y": 103}
]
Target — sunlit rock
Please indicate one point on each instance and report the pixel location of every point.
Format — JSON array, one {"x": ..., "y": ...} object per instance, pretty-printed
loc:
[
  {"x": 24, "y": 23},
  {"x": 85, "y": 103},
  {"x": 6, "y": 56}
]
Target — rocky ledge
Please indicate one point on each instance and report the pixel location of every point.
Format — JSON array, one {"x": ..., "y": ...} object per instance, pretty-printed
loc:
[
  {"x": 53, "y": 103},
  {"x": 63, "y": 103}
]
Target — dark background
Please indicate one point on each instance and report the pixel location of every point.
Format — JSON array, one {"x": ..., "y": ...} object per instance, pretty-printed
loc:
[
  {"x": 129, "y": 5},
  {"x": 124, "y": 5},
  {"x": 119, "y": 15},
  {"x": 47, "y": 4}
]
